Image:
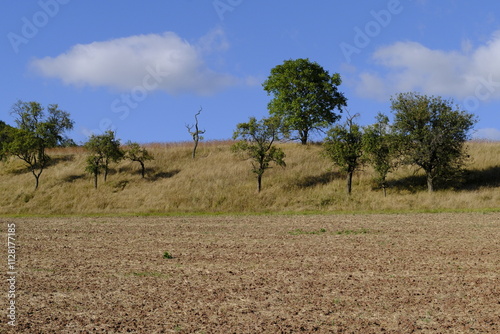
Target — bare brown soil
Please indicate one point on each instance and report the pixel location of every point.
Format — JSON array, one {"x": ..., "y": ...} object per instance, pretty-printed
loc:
[{"x": 422, "y": 273}]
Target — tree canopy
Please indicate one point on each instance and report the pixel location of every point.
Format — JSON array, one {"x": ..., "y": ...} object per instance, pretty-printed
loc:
[
  {"x": 305, "y": 97},
  {"x": 50, "y": 125},
  {"x": 257, "y": 143},
  {"x": 5, "y": 138},
  {"x": 36, "y": 131},
  {"x": 344, "y": 146},
  {"x": 432, "y": 132},
  {"x": 381, "y": 148},
  {"x": 137, "y": 153},
  {"x": 103, "y": 149}
]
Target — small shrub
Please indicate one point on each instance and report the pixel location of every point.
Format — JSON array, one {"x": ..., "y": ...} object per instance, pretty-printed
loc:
[{"x": 167, "y": 255}]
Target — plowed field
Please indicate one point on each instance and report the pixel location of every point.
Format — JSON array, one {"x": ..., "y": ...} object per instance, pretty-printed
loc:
[{"x": 422, "y": 273}]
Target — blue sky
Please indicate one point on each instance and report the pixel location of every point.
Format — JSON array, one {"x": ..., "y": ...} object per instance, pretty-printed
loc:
[{"x": 145, "y": 68}]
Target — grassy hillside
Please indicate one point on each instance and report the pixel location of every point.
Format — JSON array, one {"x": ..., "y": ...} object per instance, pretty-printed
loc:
[{"x": 218, "y": 181}]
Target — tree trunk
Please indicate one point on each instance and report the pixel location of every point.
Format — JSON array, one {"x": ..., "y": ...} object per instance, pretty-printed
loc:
[
  {"x": 95, "y": 180},
  {"x": 304, "y": 136},
  {"x": 259, "y": 182},
  {"x": 36, "y": 180},
  {"x": 430, "y": 183},
  {"x": 195, "y": 146},
  {"x": 143, "y": 169},
  {"x": 349, "y": 183}
]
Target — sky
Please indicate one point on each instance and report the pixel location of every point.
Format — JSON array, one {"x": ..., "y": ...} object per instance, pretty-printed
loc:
[{"x": 145, "y": 68}]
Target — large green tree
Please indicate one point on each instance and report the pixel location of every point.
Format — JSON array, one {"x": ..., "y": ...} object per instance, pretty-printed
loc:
[
  {"x": 256, "y": 142},
  {"x": 305, "y": 97},
  {"x": 36, "y": 131},
  {"x": 432, "y": 132},
  {"x": 344, "y": 146},
  {"x": 50, "y": 125}
]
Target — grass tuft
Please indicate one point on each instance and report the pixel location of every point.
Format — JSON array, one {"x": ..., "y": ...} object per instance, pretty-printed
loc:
[{"x": 167, "y": 255}]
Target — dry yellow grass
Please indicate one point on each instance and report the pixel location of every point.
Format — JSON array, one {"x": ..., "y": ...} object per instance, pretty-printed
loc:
[{"x": 218, "y": 181}]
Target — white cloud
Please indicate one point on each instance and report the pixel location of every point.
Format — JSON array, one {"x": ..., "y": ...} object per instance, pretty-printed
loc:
[
  {"x": 472, "y": 73},
  {"x": 155, "y": 61},
  {"x": 487, "y": 134}
]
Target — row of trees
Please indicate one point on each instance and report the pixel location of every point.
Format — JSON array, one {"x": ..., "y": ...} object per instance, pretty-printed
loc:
[
  {"x": 39, "y": 129},
  {"x": 427, "y": 132}
]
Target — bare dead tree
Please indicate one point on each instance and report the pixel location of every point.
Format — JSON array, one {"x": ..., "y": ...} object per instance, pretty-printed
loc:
[{"x": 197, "y": 133}]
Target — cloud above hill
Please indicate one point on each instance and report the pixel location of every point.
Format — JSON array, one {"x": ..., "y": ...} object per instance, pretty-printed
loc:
[
  {"x": 487, "y": 134},
  {"x": 471, "y": 74},
  {"x": 153, "y": 62}
]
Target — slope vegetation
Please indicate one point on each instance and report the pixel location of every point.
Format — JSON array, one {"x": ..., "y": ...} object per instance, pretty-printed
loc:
[{"x": 219, "y": 182}]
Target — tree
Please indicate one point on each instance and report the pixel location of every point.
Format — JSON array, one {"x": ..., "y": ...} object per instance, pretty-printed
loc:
[
  {"x": 257, "y": 143},
  {"x": 51, "y": 127},
  {"x": 196, "y": 133},
  {"x": 58, "y": 122},
  {"x": 103, "y": 149},
  {"x": 344, "y": 146},
  {"x": 5, "y": 137},
  {"x": 111, "y": 150},
  {"x": 28, "y": 147},
  {"x": 380, "y": 148},
  {"x": 305, "y": 97},
  {"x": 94, "y": 166},
  {"x": 139, "y": 154},
  {"x": 432, "y": 132},
  {"x": 95, "y": 161},
  {"x": 35, "y": 133}
]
